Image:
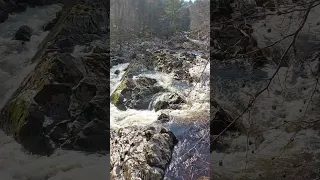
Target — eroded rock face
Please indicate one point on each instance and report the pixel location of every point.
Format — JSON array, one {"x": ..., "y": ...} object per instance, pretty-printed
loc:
[
  {"x": 141, "y": 152},
  {"x": 64, "y": 102}
]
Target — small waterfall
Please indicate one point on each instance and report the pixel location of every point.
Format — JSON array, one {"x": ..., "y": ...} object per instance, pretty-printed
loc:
[{"x": 189, "y": 123}]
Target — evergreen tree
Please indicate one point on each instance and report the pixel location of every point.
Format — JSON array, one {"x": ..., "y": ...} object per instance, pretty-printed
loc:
[{"x": 173, "y": 12}]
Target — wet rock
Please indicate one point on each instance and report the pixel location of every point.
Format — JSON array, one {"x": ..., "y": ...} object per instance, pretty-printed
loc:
[
  {"x": 48, "y": 26},
  {"x": 117, "y": 60},
  {"x": 142, "y": 97},
  {"x": 135, "y": 93},
  {"x": 169, "y": 101},
  {"x": 145, "y": 81},
  {"x": 93, "y": 136},
  {"x": 33, "y": 140},
  {"x": 164, "y": 118},
  {"x": 65, "y": 70},
  {"x": 3, "y": 15},
  {"x": 134, "y": 156},
  {"x": 24, "y": 33},
  {"x": 161, "y": 105},
  {"x": 181, "y": 74},
  {"x": 65, "y": 100},
  {"x": 54, "y": 99},
  {"x": 88, "y": 111}
]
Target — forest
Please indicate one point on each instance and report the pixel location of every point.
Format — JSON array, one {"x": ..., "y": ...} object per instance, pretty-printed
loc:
[{"x": 131, "y": 19}]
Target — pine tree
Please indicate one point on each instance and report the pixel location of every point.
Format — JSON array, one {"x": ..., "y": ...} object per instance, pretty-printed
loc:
[{"x": 173, "y": 13}]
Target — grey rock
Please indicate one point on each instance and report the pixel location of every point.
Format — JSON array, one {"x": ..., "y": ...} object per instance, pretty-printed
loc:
[
  {"x": 169, "y": 101},
  {"x": 141, "y": 152},
  {"x": 64, "y": 102},
  {"x": 136, "y": 93},
  {"x": 24, "y": 33},
  {"x": 163, "y": 118}
]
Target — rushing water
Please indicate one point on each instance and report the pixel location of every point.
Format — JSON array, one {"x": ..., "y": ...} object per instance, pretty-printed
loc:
[
  {"x": 15, "y": 164},
  {"x": 189, "y": 124}
]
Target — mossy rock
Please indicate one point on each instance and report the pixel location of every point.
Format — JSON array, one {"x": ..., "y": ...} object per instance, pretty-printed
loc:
[
  {"x": 117, "y": 92},
  {"x": 161, "y": 105},
  {"x": 115, "y": 96},
  {"x": 17, "y": 113}
]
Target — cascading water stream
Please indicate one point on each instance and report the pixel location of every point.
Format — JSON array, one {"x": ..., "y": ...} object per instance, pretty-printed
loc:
[
  {"x": 15, "y": 163},
  {"x": 189, "y": 124}
]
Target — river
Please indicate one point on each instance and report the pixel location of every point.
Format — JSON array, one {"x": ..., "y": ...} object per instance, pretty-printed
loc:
[
  {"x": 15, "y": 164},
  {"x": 190, "y": 124}
]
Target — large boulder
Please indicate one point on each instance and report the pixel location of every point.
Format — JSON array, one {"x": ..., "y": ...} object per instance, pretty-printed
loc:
[
  {"x": 135, "y": 93},
  {"x": 24, "y": 33},
  {"x": 64, "y": 101},
  {"x": 169, "y": 101},
  {"x": 49, "y": 25},
  {"x": 141, "y": 152}
]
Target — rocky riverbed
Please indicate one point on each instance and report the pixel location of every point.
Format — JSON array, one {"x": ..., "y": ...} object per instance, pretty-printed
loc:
[
  {"x": 56, "y": 99},
  {"x": 160, "y": 87}
]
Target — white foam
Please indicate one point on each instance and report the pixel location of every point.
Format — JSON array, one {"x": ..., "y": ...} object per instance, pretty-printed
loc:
[
  {"x": 197, "y": 96},
  {"x": 15, "y": 65}
]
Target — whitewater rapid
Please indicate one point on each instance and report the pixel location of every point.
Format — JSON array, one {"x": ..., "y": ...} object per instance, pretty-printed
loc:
[
  {"x": 15, "y": 164},
  {"x": 197, "y": 96},
  {"x": 190, "y": 124}
]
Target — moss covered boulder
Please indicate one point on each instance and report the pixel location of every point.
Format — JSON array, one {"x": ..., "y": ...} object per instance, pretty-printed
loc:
[
  {"x": 136, "y": 93},
  {"x": 64, "y": 101}
]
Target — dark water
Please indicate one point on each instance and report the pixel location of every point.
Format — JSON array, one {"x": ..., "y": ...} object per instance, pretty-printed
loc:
[{"x": 191, "y": 156}]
